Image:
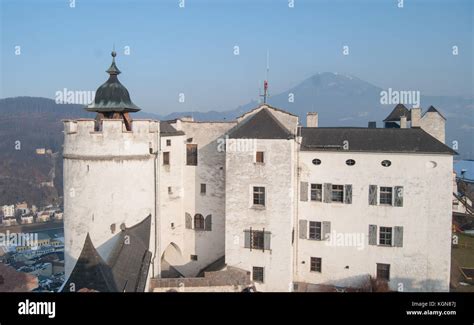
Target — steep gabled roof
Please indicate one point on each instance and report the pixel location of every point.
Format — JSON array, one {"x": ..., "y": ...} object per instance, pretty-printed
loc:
[
  {"x": 130, "y": 258},
  {"x": 261, "y": 125},
  {"x": 412, "y": 140},
  {"x": 434, "y": 110},
  {"x": 90, "y": 271},
  {"x": 126, "y": 269},
  {"x": 399, "y": 111}
]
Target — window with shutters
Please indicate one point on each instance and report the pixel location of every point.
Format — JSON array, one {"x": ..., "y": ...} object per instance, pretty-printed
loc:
[
  {"x": 166, "y": 158},
  {"x": 386, "y": 195},
  {"x": 191, "y": 154},
  {"x": 316, "y": 192},
  {"x": 260, "y": 157},
  {"x": 259, "y": 196},
  {"x": 315, "y": 230},
  {"x": 199, "y": 222},
  {"x": 257, "y": 274},
  {"x": 316, "y": 264},
  {"x": 337, "y": 194},
  {"x": 257, "y": 240},
  {"x": 383, "y": 271},
  {"x": 385, "y": 236}
]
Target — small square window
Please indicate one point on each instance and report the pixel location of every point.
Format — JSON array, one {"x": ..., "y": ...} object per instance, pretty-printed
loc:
[
  {"x": 203, "y": 188},
  {"x": 316, "y": 264},
  {"x": 385, "y": 236},
  {"x": 385, "y": 195},
  {"x": 315, "y": 230},
  {"x": 257, "y": 274},
  {"x": 260, "y": 157},
  {"x": 259, "y": 195},
  {"x": 194, "y": 257},
  {"x": 166, "y": 158},
  {"x": 168, "y": 142},
  {"x": 383, "y": 271}
]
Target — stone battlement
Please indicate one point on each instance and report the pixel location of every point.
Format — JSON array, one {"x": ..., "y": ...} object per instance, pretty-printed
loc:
[
  {"x": 82, "y": 139},
  {"x": 110, "y": 126}
]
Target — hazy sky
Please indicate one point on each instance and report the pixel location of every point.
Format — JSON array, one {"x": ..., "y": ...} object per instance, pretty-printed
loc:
[{"x": 190, "y": 50}]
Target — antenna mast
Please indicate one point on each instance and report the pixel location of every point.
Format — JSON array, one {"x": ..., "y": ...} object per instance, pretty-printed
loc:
[{"x": 265, "y": 83}]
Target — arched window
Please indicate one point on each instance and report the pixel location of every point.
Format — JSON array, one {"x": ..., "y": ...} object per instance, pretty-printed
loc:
[{"x": 198, "y": 222}]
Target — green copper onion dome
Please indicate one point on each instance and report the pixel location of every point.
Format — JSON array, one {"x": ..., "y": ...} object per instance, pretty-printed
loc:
[{"x": 112, "y": 96}]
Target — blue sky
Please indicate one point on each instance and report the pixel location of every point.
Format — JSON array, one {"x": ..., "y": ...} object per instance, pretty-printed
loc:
[{"x": 191, "y": 50}]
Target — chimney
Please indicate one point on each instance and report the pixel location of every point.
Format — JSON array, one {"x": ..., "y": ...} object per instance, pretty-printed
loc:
[
  {"x": 403, "y": 122},
  {"x": 372, "y": 125},
  {"x": 312, "y": 119},
  {"x": 415, "y": 117}
]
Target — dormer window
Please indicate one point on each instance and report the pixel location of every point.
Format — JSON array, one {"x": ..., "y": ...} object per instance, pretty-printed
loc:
[
  {"x": 316, "y": 162},
  {"x": 386, "y": 163},
  {"x": 350, "y": 162}
]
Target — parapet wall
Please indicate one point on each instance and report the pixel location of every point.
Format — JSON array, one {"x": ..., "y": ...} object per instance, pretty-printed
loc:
[{"x": 113, "y": 140}]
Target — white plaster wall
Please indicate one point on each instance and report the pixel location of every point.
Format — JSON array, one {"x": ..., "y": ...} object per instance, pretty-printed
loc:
[
  {"x": 171, "y": 206},
  {"x": 423, "y": 263},
  {"x": 277, "y": 174},
  {"x": 207, "y": 245},
  {"x": 108, "y": 179}
]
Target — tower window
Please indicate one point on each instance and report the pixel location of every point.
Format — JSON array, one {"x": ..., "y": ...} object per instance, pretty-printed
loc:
[
  {"x": 259, "y": 195},
  {"x": 191, "y": 154},
  {"x": 166, "y": 158},
  {"x": 198, "y": 222}
]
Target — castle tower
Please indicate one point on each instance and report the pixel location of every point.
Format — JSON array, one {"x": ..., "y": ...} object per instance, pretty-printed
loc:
[{"x": 110, "y": 176}]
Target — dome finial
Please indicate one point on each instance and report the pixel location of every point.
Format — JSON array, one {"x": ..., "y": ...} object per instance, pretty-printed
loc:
[
  {"x": 113, "y": 70},
  {"x": 114, "y": 54}
]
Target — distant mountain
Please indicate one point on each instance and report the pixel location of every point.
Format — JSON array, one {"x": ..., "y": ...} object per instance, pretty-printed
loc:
[
  {"x": 340, "y": 100},
  {"x": 343, "y": 100}
]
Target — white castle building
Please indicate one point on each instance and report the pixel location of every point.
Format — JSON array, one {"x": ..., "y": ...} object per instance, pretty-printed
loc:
[{"x": 287, "y": 205}]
